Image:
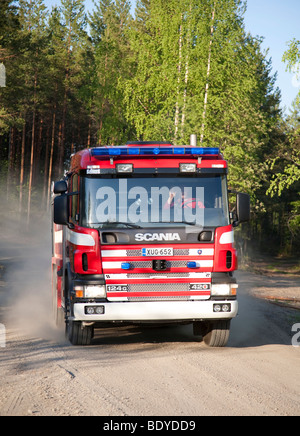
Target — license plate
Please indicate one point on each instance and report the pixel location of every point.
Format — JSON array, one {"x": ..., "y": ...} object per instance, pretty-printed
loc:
[
  {"x": 117, "y": 288},
  {"x": 153, "y": 252},
  {"x": 199, "y": 286}
]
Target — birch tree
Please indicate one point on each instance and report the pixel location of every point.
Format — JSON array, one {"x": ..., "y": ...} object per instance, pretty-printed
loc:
[
  {"x": 154, "y": 94},
  {"x": 111, "y": 54},
  {"x": 208, "y": 71}
]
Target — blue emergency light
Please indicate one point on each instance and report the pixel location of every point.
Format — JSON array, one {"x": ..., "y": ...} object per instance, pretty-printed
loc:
[
  {"x": 150, "y": 151},
  {"x": 192, "y": 265},
  {"x": 125, "y": 265}
]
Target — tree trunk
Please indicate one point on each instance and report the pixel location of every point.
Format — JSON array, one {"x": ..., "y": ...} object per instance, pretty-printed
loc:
[
  {"x": 186, "y": 77},
  {"x": 184, "y": 96},
  {"x": 46, "y": 165},
  {"x": 178, "y": 81},
  {"x": 10, "y": 163},
  {"x": 22, "y": 165},
  {"x": 37, "y": 152},
  {"x": 207, "y": 75},
  {"x": 61, "y": 142},
  {"x": 51, "y": 155},
  {"x": 89, "y": 134},
  {"x": 31, "y": 167}
]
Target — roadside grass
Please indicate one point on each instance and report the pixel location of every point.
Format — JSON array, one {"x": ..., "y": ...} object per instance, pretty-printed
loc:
[{"x": 266, "y": 264}]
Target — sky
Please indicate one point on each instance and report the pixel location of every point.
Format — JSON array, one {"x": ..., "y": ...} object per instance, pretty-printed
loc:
[
  {"x": 275, "y": 20},
  {"x": 278, "y": 22}
]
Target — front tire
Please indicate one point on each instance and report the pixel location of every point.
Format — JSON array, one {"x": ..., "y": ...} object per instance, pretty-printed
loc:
[
  {"x": 79, "y": 335},
  {"x": 217, "y": 333}
]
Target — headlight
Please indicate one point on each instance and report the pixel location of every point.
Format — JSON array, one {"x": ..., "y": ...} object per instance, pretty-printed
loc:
[
  {"x": 90, "y": 291},
  {"x": 224, "y": 289}
]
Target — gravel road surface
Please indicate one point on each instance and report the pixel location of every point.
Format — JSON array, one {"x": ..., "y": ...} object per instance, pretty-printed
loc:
[{"x": 135, "y": 371}]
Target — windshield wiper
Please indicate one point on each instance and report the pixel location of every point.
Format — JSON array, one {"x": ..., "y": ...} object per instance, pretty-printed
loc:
[
  {"x": 135, "y": 226},
  {"x": 109, "y": 224},
  {"x": 185, "y": 222}
]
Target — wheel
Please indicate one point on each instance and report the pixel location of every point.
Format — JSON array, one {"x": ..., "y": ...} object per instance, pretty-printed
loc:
[
  {"x": 217, "y": 333},
  {"x": 79, "y": 335}
]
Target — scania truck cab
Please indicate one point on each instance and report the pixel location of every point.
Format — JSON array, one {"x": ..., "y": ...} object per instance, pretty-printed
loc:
[{"x": 142, "y": 233}]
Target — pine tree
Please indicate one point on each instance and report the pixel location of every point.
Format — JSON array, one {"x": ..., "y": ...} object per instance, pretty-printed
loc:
[
  {"x": 33, "y": 20},
  {"x": 74, "y": 40},
  {"x": 179, "y": 67},
  {"x": 111, "y": 62},
  {"x": 9, "y": 32},
  {"x": 56, "y": 71}
]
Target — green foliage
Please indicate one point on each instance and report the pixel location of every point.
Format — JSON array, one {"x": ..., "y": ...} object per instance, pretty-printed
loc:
[
  {"x": 178, "y": 67},
  {"x": 286, "y": 163},
  {"x": 292, "y": 55}
]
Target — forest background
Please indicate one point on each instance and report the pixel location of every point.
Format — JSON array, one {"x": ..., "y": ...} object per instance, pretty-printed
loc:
[{"x": 76, "y": 79}]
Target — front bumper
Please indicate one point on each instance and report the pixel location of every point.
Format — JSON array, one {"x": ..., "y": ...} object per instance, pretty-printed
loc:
[{"x": 155, "y": 311}]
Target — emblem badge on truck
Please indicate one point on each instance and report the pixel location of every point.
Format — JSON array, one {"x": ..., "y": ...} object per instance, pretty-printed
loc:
[{"x": 157, "y": 237}]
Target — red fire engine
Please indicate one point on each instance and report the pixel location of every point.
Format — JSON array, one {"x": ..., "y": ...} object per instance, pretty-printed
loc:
[{"x": 142, "y": 233}]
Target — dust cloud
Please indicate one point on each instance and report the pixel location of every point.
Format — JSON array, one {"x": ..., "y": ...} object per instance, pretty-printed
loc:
[{"x": 25, "y": 262}]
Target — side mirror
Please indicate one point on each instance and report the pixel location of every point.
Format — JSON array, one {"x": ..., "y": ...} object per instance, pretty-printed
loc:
[
  {"x": 242, "y": 207},
  {"x": 61, "y": 209},
  {"x": 60, "y": 187}
]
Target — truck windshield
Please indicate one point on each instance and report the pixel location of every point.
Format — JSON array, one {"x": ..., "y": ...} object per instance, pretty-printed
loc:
[{"x": 154, "y": 201}]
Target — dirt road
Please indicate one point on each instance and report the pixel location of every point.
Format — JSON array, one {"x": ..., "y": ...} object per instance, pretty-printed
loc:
[{"x": 141, "y": 371}]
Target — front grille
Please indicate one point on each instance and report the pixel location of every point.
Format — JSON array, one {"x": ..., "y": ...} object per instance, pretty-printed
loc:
[
  {"x": 166, "y": 275},
  {"x": 133, "y": 253},
  {"x": 160, "y": 298},
  {"x": 158, "y": 287},
  {"x": 164, "y": 291}
]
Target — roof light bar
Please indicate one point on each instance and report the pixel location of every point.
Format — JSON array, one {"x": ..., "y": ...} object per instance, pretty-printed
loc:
[
  {"x": 133, "y": 151},
  {"x": 180, "y": 150},
  {"x": 150, "y": 151},
  {"x": 114, "y": 151}
]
